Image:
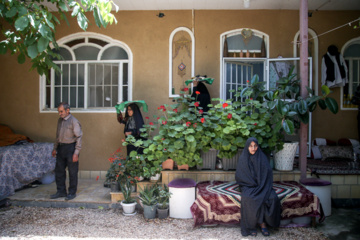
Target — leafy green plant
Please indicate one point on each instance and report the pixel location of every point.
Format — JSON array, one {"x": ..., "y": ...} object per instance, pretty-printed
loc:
[
  {"x": 126, "y": 189},
  {"x": 117, "y": 166},
  {"x": 148, "y": 195},
  {"x": 140, "y": 165},
  {"x": 226, "y": 129},
  {"x": 280, "y": 109},
  {"x": 184, "y": 130},
  {"x": 122, "y": 168},
  {"x": 180, "y": 134},
  {"x": 32, "y": 26},
  {"x": 163, "y": 196}
]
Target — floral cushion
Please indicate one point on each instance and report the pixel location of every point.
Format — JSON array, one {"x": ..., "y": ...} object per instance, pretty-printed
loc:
[{"x": 331, "y": 152}]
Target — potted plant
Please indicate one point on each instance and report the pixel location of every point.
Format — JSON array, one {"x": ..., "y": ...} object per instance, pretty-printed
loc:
[
  {"x": 180, "y": 134},
  {"x": 168, "y": 164},
  {"x": 286, "y": 108},
  {"x": 148, "y": 199},
  {"x": 114, "y": 173},
  {"x": 148, "y": 164},
  {"x": 228, "y": 129},
  {"x": 129, "y": 203},
  {"x": 163, "y": 201}
]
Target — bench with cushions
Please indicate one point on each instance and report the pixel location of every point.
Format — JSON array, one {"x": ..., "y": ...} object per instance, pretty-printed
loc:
[
  {"x": 331, "y": 157},
  {"x": 219, "y": 202}
]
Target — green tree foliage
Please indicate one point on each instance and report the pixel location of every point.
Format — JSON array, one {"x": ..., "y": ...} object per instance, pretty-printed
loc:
[{"x": 28, "y": 26}]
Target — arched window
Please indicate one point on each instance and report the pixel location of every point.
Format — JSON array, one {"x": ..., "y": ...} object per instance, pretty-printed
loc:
[
  {"x": 95, "y": 74},
  {"x": 244, "y": 52},
  {"x": 181, "y": 59},
  {"x": 313, "y": 46},
  {"x": 351, "y": 53}
]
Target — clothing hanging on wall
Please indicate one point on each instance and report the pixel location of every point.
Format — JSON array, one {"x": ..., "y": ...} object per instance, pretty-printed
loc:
[{"x": 334, "y": 72}]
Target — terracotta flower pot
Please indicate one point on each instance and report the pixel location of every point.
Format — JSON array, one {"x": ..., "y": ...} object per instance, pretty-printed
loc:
[
  {"x": 168, "y": 164},
  {"x": 185, "y": 167}
]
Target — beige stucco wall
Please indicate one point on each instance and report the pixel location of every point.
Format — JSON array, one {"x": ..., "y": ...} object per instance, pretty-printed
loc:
[{"x": 148, "y": 38}]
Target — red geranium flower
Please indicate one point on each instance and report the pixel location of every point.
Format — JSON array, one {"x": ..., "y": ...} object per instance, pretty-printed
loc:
[
  {"x": 162, "y": 107},
  {"x": 201, "y": 111},
  {"x": 186, "y": 89},
  {"x": 175, "y": 110},
  {"x": 157, "y": 118},
  {"x": 255, "y": 124},
  {"x": 188, "y": 124},
  {"x": 197, "y": 92},
  {"x": 151, "y": 123},
  {"x": 196, "y": 104},
  {"x": 247, "y": 81},
  {"x": 164, "y": 122},
  {"x": 225, "y": 105},
  {"x": 229, "y": 116},
  {"x": 202, "y": 120},
  {"x": 147, "y": 117}
]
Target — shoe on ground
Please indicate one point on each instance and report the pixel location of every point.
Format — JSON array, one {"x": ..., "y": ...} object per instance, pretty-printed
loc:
[
  {"x": 70, "y": 196},
  {"x": 265, "y": 232},
  {"x": 57, "y": 195}
]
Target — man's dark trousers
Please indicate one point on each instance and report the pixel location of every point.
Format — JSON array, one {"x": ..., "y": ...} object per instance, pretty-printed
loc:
[{"x": 64, "y": 158}]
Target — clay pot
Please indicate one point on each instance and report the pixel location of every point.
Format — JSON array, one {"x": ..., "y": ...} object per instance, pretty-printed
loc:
[
  {"x": 168, "y": 164},
  {"x": 185, "y": 167}
]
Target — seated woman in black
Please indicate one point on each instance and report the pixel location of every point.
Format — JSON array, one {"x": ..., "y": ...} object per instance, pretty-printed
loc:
[
  {"x": 133, "y": 122},
  {"x": 204, "y": 97},
  {"x": 259, "y": 202}
]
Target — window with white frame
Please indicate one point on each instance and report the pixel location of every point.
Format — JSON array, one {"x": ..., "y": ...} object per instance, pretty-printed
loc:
[
  {"x": 351, "y": 53},
  {"x": 241, "y": 60},
  {"x": 95, "y": 74}
]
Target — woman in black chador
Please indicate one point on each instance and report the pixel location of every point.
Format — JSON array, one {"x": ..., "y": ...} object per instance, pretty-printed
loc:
[
  {"x": 133, "y": 122},
  {"x": 259, "y": 202},
  {"x": 203, "y": 97}
]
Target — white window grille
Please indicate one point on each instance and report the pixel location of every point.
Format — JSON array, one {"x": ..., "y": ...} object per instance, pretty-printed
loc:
[{"x": 95, "y": 74}]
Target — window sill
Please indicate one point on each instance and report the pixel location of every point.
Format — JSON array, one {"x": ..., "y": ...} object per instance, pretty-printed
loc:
[{"x": 112, "y": 110}]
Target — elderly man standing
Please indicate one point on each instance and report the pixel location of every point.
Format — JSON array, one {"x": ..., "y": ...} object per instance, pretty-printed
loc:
[{"x": 66, "y": 149}]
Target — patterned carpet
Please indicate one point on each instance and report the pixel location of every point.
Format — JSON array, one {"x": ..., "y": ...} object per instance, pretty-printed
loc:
[{"x": 219, "y": 202}]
